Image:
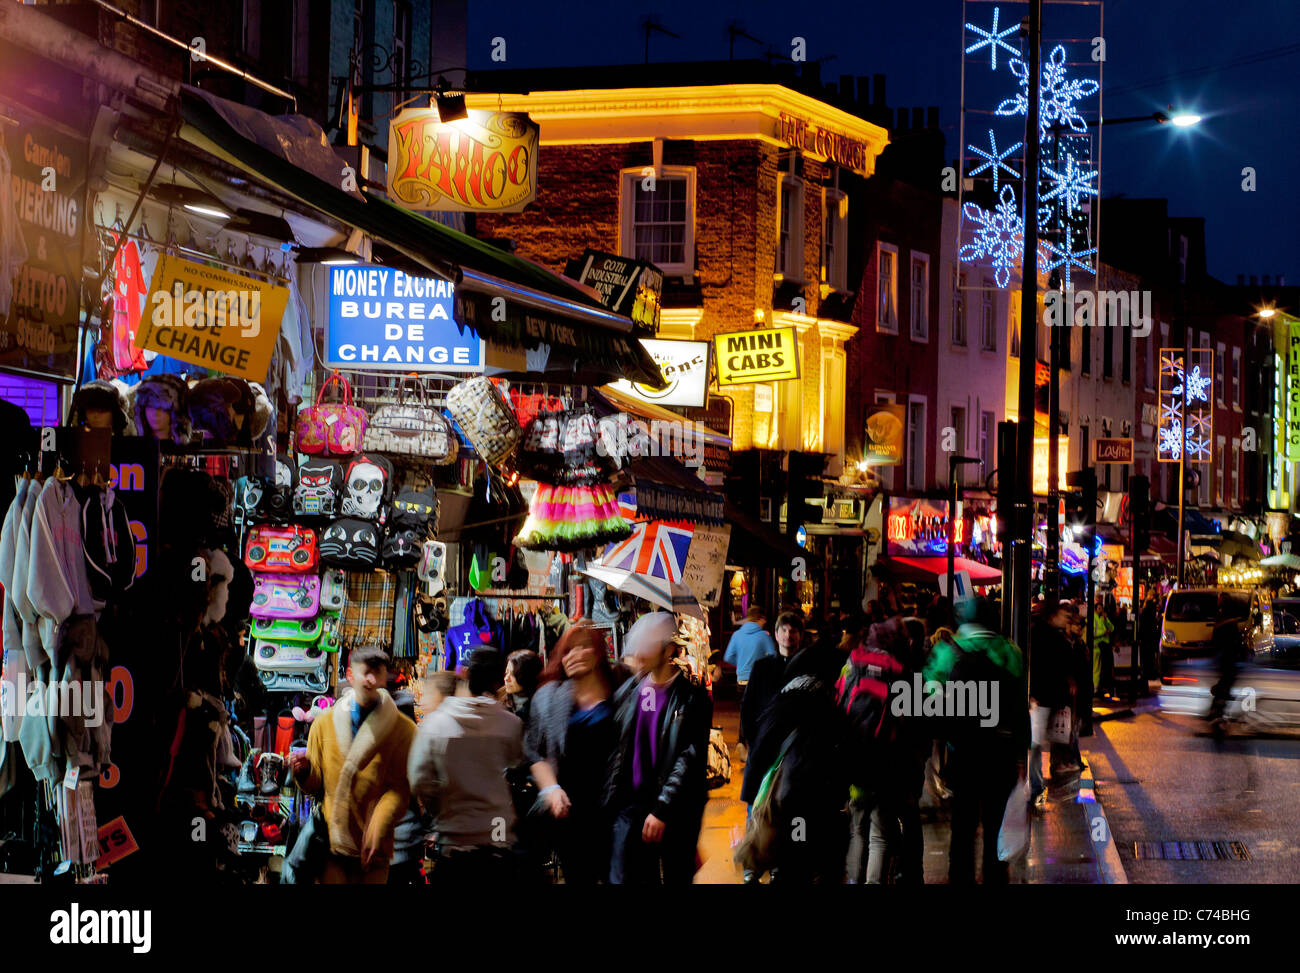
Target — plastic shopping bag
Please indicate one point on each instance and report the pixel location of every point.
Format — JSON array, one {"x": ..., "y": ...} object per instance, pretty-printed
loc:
[
  {"x": 1013, "y": 837},
  {"x": 1038, "y": 716}
]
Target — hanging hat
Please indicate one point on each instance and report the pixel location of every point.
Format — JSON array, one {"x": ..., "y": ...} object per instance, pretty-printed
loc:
[
  {"x": 101, "y": 396},
  {"x": 168, "y": 393}
]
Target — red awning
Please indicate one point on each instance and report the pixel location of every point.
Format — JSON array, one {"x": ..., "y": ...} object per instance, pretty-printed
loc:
[{"x": 929, "y": 568}]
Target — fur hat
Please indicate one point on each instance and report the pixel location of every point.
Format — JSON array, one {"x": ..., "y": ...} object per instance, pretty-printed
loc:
[
  {"x": 102, "y": 396},
  {"x": 262, "y": 410},
  {"x": 167, "y": 392},
  {"x": 215, "y": 404}
]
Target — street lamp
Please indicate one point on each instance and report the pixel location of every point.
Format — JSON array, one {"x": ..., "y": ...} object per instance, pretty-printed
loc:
[{"x": 953, "y": 463}]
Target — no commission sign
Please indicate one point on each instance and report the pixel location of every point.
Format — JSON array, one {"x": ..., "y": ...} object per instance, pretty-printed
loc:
[{"x": 382, "y": 318}]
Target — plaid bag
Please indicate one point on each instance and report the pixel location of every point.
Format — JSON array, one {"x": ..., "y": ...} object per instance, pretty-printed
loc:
[
  {"x": 368, "y": 610},
  {"x": 486, "y": 420}
]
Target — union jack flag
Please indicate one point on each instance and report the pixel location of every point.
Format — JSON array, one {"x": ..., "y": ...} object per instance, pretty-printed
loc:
[{"x": 655, "y": 549}]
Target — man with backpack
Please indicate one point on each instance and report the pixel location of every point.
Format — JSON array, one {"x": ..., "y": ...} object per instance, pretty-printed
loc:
[{"x": 985, "y": 761}]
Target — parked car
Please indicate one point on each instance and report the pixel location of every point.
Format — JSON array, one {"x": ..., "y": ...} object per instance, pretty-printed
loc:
[
  {"x": 1266, "y": 693},
  {"x": 1191, "y": 614}
]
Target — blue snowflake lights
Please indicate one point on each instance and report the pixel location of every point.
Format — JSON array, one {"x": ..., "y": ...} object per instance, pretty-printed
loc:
[
  {"x": 1065, "y": 257},
  {"x": 993, "y": 39},
  {"x": 999, "y": 235},
  {"x": 1058, "y": 95},
  {"x": 1070, "y": 183},
  {"x": 1185, "y": 421},
  {"x": 995, "y": 160}
]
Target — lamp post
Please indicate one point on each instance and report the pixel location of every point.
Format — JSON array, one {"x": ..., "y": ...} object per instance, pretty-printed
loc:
[{"x": 953, "y": 463}]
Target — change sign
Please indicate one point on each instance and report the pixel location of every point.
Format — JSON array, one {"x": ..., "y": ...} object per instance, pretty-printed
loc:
[
  {"x": 385, "y": 319},
  {"x": 764, "y": 355},
  {"x": 212, "y": 318}
]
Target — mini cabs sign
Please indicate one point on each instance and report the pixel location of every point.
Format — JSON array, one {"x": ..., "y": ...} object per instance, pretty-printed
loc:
[{"x": 762, "y": 355}]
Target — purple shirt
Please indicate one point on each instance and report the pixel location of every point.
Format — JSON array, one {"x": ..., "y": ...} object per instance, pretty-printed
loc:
[{"x": 650, "y": 701}]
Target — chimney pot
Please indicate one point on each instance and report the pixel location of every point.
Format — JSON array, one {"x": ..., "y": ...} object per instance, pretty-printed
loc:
[
  {"x": 903, "y": 115},
  {"x": 864, "y": 90},
  {"x": 878, "y": 90}
]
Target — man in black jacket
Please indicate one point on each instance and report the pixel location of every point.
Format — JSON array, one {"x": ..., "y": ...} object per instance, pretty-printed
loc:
[{"x": 656, "y": 788}]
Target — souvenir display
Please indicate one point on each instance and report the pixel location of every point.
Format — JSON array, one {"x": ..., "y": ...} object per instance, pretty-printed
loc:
[{"x": 331, "y": 428}]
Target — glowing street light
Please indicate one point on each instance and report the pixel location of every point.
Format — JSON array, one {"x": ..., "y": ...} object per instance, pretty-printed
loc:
[{"x": 1184, "y": 119}]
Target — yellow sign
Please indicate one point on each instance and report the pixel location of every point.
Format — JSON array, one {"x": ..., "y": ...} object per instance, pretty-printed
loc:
[
  {"x": 885, "y": 426},
  {"x": 763, "y": 355},
  {"x": 486, "y": 163},
  {"x": 212, "y": 318},
  {"x": 1040, "y": 463}
]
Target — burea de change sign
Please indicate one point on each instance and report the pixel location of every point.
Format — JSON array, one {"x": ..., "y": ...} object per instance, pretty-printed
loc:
[{"x": 382, "y": 318}]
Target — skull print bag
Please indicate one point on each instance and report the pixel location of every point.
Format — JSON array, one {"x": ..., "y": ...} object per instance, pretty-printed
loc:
[
  {"x": 367, "y": 486},
  {"x": 352, "y": 544}
]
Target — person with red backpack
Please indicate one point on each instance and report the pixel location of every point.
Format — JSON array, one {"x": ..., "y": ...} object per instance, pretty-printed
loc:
[{"x": 889, "y": 757}]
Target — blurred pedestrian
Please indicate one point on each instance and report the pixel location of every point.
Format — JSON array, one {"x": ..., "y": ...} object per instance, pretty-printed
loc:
[
  {"x": 747, "y": 645},
  {"x": 656, "y": 787},
  {"x": 1051, "y": 684},
  {"x": 569, "y": 744},
  {"x": 523, "y": 670}
]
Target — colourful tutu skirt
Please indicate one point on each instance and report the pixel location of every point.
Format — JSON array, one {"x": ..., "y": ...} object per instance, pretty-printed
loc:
[{"x": 572, "y": 518}]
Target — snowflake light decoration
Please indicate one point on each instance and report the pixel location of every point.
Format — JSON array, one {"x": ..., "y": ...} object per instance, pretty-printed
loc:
[
  {"x": 992, "y": 39},
  {"x": 995, "y": 159},
  {"x": 1070, "y": 184},
  {"x": 1057, "y": 95},
  {"x": 1065, "y": 257},
  {"x": 1198, "y": 386},
  {"x": 1198, "y": 448},
  {"x": 999, "y": 235},
  {"x": 1171, "y": 439}
]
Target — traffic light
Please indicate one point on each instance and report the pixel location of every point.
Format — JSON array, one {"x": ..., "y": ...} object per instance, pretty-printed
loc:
[
  {"x": 742, "y": 484},
  {"x": 1139, "y": 510},
  {"x": 1081, "y": 507},
  {"x": 805, "y": 483},
  {"x": 1006, "y": 480}
]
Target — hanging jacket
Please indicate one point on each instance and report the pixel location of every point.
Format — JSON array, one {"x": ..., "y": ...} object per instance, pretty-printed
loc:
[
  {"x": 11, "y": 630},
  {"x": 57, "y": 584},
  {"x": 31, "y": 637}
]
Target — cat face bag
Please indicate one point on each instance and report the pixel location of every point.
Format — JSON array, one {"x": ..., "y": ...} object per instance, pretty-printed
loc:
[
  {"x": 352, "y": 544},
  {"x": 285, "y": 596},
  {"x": 402, "y": 549},
  {"x": 367, "y": 486},
  {"x": 414, "y": 510},
  {"x": 317, "y": 492}
]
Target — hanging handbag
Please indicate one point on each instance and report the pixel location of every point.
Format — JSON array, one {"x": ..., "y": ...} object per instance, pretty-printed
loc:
[
  {"x": 411, "y": 429},
  {"x": 291, "y": 549},
  {"x": 331, "y": 428},
  {"x": 285, "y": 596},
  {"x": 486, "y": 420},
  {"x": 402, "y": 549},
  {"x": 367, "y": 486},
  {"x": 414, "y": 510},
  {"x": 352, "y": 544},
  {"x": 316, "y": 493}
]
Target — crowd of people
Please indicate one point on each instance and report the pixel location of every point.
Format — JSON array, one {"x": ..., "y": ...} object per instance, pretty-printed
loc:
[{"x": 522, "y": 769}]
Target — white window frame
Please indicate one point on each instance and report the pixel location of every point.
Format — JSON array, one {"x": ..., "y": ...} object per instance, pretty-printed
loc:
[
  {"x": 918, "y": 482},
  {"x": 988, "y": 441},
  {"x": 887, "y": 324},
  {"x": 835, "y": 224},
  {"x": 963, "y": 435},
  {"x": 1235, "y": 500},
  {"x": 885, "y": 473},
  {"x": 793, "y": 268},
  {"x": 1220, "y": 375},
  {"x": 1222, "y": 470},
  {"x": 921, "y": 333},
  {"x": 989, "y": 312},
  {"x": 1238, "y": 386},
  {"x": 959, "y": 310},
  {"x": 629, "y": 179}
]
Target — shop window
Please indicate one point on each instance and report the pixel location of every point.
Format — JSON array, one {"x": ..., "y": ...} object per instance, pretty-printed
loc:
[
  {"x": 658, "y": 218},
  {"x": 887, "y": 288}
]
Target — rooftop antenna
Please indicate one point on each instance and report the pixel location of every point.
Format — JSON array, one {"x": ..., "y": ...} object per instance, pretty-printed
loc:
[
  {"x": 650, "y": 25},
  {"x": 737, "y": 29}
]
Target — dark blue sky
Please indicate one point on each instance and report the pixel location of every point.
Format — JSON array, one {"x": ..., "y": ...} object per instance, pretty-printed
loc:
[{"x": 1237, "y": 64}]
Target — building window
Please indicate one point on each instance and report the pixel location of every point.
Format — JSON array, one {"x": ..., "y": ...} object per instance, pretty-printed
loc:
[
  {"x": 1234, "y": 499},
  {"x": 885, "y": 473},
  {"x": 835, "y": 232},
  {"x": 988, "y": 441},
  {"x": 1107, "y": 353},
  {"x": 887, "y": 288},
  {"x": 1239, "y": 392},
  {"x": 657, "y": 218},
  {"x": 1126, "y": 356},
  {"x": 1223, "y": 471},
  {"x": 1220, "y": 367},
  {"x": 789, "y": 260},
  {"x": 958, "y": 308},
  {"x": 401, "y": 47},
  {"x": 988, "y": 330},
  {"x": 1085, "y": 350},
  {"x": 919, "y": 297},
  {"x": 916, "y": 442},
  {"x": 1149, "y": 369},
  {"x": 1015, "y": 325}
]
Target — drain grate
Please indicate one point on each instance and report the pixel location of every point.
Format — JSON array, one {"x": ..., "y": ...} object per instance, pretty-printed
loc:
[{"x": 1191, "y": 851}]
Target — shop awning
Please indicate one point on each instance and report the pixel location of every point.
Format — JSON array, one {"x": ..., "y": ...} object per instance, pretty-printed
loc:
[
  {"x": 542, "y": 309},
  {"x": 756, "y": 544},
  {"x": 926, "y": 569},
  {"x": 666, "y": 490}
]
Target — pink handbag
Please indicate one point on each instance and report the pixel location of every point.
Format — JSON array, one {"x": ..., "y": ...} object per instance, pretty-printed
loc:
[{"x": 331, "y": 428}]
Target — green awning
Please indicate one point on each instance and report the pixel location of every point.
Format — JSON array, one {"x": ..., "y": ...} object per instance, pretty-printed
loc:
[{"x": 540, "y": 308}]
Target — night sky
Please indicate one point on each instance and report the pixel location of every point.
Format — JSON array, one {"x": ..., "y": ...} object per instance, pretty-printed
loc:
[{"x": 1235, "y": 64}]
